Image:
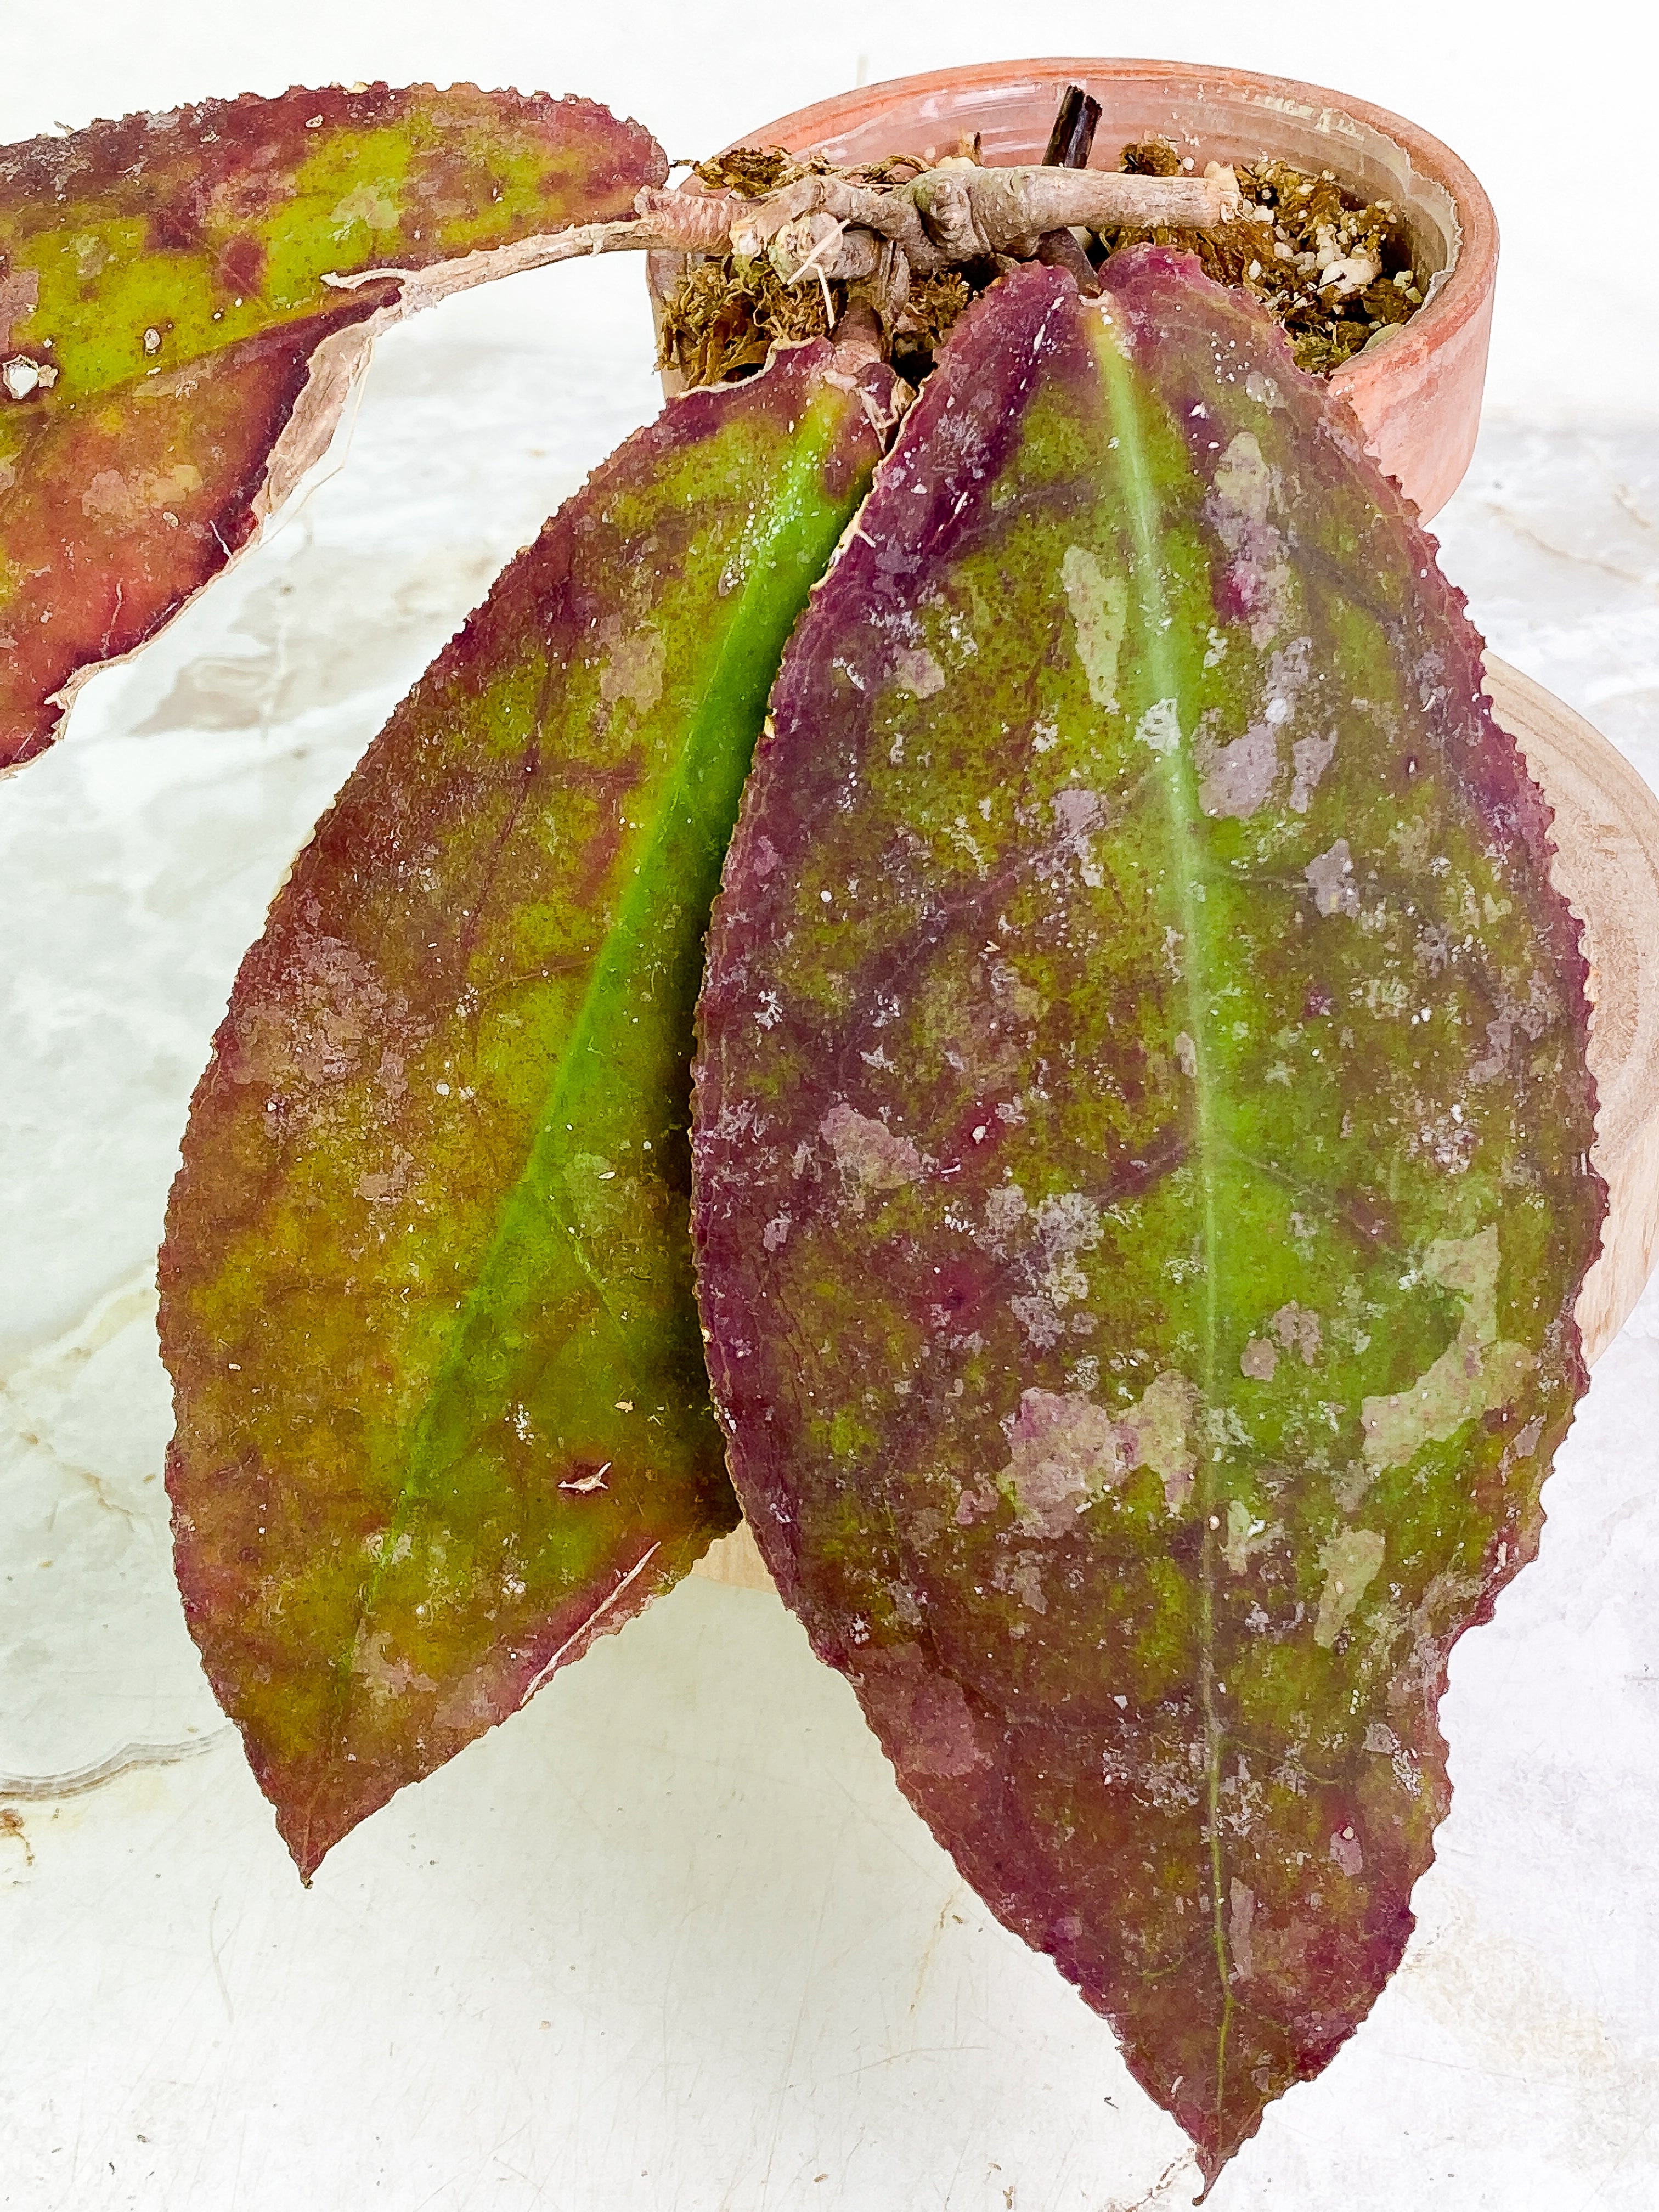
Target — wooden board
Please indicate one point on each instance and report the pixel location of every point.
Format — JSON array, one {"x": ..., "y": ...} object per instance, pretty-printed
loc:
[{"x": 1606, "y": 867}]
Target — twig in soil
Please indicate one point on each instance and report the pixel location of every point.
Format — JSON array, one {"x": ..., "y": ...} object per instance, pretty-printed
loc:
[
  {"x": 1069, "y": 145},
  {"x": 1074, "y": 134}
]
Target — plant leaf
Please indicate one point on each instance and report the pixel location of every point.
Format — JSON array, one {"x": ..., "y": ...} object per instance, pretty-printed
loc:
[
  {"x": 164, "y": 296},
  {"x": 1141, "y": 1153},
  {"x": 426, "y": 1292}
]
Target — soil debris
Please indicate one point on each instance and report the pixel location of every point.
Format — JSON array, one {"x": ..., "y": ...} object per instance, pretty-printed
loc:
[{"x": 1334, "y": 272}]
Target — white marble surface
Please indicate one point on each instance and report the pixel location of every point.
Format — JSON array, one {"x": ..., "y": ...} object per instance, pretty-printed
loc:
[{"x": 671, "y": 1938}]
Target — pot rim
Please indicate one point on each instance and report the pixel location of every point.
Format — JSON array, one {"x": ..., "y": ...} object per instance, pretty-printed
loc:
[{"x": 1453, "y": 304}]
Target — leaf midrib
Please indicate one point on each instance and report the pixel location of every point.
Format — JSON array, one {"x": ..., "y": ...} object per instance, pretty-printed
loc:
[
  {"x": 755, "y": 612},
  {"x": 1183, "y": 816}
]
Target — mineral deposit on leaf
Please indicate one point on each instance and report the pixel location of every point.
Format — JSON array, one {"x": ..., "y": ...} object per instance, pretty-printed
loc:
[
  {"x": 426, "y": 1292},
  {"x": 164, "y": 294},
  {"x": 1141, "y": 1152}
]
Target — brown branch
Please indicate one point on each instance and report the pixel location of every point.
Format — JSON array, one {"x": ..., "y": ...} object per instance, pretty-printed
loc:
[
  {"x": 1072, "y": 137},
  {"x": 1000, "y": 209},
  {"x": 960, "y": 212},
  {"x": 957, "y": 211},
  {"x": 1070, "y": 143}
]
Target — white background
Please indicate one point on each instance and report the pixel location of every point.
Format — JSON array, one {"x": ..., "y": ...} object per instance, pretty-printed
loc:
[{"x": 672, "y": 1939}]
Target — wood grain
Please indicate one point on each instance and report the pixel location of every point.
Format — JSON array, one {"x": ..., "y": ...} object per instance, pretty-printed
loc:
[{"x": 1606, "y": 867}]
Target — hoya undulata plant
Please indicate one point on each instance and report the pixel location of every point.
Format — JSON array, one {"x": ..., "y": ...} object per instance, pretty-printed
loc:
[{"x": 1139, "y": 1162}]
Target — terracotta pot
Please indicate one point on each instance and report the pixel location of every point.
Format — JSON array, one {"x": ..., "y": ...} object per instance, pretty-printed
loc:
[{"x": 1418, "y": 393}]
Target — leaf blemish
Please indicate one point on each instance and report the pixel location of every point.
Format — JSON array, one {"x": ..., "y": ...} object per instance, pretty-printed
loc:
[
  {"x": 1160, "y": 726},
  {"x": 1065, "y": 1451},
  {"x": 386, "y": 1679},
  {"x": 1329, "y": 877},
  {"x": 1244, "y": 1536},
  {"x": 1349, "y": 1563},
  {"x": 634, "y": 670},
  {"x": 1076, "y": 813},
  {"x": 871, "y": 1158},
  {"x": 916, "y": 671},
  {"x": 1099, "y": 605},
  {"x": 1239, "y": 777},
  {"x": 1258, "y": 579},
  {"x": 1310, "y": 757},
  {"x": 1297, "y": 1329},
  {"x": 1045, "y": 1243},
  {"x": 1476, "y": 1374}
]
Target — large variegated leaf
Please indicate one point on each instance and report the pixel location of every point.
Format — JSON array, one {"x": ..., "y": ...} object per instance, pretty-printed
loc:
[
  {"x": 426, "y": 1292},
  {"x": 1142, "y": 1178},
  {"x": 163, "y": 295}
]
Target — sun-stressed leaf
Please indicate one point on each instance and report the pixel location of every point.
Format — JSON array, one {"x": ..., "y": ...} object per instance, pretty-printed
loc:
[
  {"x": 163, "y": 296},
  {"x": 1142, "y": 1162},
  {"x": 426, "y": 1292}
]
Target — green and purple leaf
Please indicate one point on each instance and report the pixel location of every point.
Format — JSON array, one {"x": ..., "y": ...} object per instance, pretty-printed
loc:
[
  {"x": 1141, "y": 1152},
  {"x": 426, "y": 1288},
  {"x": 163, "y": 296}
]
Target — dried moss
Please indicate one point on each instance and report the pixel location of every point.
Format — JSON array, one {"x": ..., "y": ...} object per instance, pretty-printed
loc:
[
  {"x": 720, "y": 323},
  {"x": 754, "y": 171},
  {"x": 1154, "y": 157},
  {"x": 921, "y": 329}
]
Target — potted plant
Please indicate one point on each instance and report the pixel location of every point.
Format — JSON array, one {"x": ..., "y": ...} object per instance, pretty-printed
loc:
[
  {"x": 1054, "y": 1199},
  {"x": 1418, "y": 396}
]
